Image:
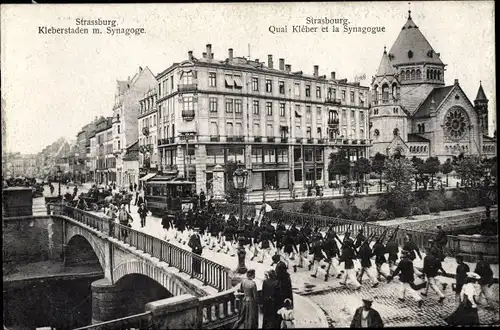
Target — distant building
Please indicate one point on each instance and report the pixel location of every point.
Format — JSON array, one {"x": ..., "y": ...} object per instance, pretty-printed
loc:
[
  {"x": 125, "y": 114},
  {"x": 148, "y": 133},
  {"x": 413, "y": 113},
  {"x": 131, "y": 165}
]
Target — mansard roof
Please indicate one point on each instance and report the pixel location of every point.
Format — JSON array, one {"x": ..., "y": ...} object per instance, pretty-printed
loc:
[{"x": 412, "y": 47}]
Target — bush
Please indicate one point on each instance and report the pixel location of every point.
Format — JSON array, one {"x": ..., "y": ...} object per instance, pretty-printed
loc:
[
  {"x": 390, "y": 215},
  {"x": 310, "y": 207},
  {"x": 416, "y": 211},
  {"x": 424, "y": 207},
  {"x": 327, "y": 208},
  {"x": 381, "y": 215},
  {"x": 436, "y": 202},
  {"x": 275, "y": 205}
]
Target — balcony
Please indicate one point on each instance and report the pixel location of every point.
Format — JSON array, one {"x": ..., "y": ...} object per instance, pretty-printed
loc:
[
  {"x": 335, "y": 141},
  {"x": 310, "y": 140},
  {"x": 170, "y": 168},
  {"x": 257, "y": 139},
  {"x": 331, "y": 100},
  {"x": 188, "y": 115},
  {"x": 214, "y": 138},
  {"x": 363, "y": 141},
  {"x": 284, "y": 140},
  {"x": 239, "y": 138},
  {"x": 299, "y": 140},
  {"x": 170, "y": 140},
  {"x": 230, "y": 139},
  {"x": 333, "y": 122},
  {"x": 345, "y": 141},
  {"x": 321, "y": 141},
  {"x": 185, "y": 88},
  {"x": 270, "y": 139}
]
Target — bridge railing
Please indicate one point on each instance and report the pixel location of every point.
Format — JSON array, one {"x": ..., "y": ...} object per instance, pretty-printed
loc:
[
  {"x": 454, "y": 245},
  {"x": 207, "y": 271},
  {"x": 219, "y": 310},
  {"x": 137, "y": 321}
]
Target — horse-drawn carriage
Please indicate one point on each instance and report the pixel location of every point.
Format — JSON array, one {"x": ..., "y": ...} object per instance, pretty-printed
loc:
[{"x": 98, "y": 198}]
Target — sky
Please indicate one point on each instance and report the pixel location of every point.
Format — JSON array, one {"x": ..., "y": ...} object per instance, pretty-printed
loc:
[{"x": 55, "y": 84}]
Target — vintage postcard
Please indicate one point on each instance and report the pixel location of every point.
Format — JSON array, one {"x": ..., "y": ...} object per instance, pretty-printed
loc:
[{"x": 249, "y": 165}]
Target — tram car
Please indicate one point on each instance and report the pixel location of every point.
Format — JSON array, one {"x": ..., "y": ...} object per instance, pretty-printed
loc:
[{"x": 171, "y": 195}]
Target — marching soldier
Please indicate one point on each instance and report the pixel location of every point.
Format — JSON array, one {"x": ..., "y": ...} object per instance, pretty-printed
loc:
[
  {"x": 318, "y": 254},
  {"x": 365, "y": 254},
  {"x": 265, "y": 244},
  {"x": 432, "y": 264},
  {"x": 348, "y": 256},
  {"x": 360, "y": 238},
  {"x": 228, "y": 234},
  {"x": 303, "y": 247},
  {"x": 256, "y": 236},
  {"x": 379, "y": 252},
  {"x": 392, "y": 249},
  {"x": 406, "y": 273},
  {"x": 413, "y": 250},
  {"x": 294, "y": 233},
  {"x": 332, "y": 251},
  {"x": 441, "y": 240}
]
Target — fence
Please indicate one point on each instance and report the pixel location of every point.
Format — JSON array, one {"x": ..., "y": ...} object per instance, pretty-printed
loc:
[
  {"x": 455, "y": 245},
  {"x": 209, "y": 272},
  {"x": 138, "y": 321}
]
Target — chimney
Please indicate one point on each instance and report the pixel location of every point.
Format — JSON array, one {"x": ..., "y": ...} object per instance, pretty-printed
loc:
[
  {"x": 230, "y": 54},
  {"x": 282, "y": 64},
  {"x": 456, "y": 81},
  {"x": 140, "y": 68},
  {"x": 204, "y": 54},
  {"x": 257, "y": 60},
  {"x": 209, "y": 51},
  {"x": 316, "y": 71},
  {"x": 190, "y": 55},
  {"x": 288, "y": 68},
  {"x": 333, "y": 75},
  {"x": 270, "y": 61}
]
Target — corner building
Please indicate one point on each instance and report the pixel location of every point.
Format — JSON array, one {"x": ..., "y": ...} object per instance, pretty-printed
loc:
[
  {"x": 279, "y": 124},
  {"x": 413, "y": 113}
]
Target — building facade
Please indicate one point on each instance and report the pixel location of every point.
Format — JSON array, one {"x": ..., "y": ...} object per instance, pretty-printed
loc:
[
  {"x": 148, "y": 133},
  {"x": 125, "y": 117},
  {"x": 413, "y": 113},
  {"x": 131, "y": 165},
  {"x": 279, "y": 124}
]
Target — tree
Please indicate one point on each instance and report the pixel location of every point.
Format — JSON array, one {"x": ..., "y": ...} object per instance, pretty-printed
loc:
[
  {"x": 432, "y": 165},
  {"x": 446, "y": 169},
  {"x": 469, "y": 170},
  {"x": 378, "y": 165},
  {"x": 418, "y": 165},
  {"x": 398, "y": 173},
  {"x": 362, "y": 167},
  {"x": 339, "y": 163}
]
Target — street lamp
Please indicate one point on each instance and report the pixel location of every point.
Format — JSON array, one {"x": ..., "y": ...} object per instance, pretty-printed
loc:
[
  {"x": 59, "y": 177},
  {"x": 240, "y": 181}
]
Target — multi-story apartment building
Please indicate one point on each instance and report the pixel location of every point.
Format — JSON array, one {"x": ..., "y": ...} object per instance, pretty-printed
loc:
[
  {"x": 93, "y": 155},
  {"x": 102, "y": 128},
  {"x": 131, "y": 165},
  {"x": 280, "y": 124},
  {"x": 125, "y": 113},
  {"x": 148, "y": 133}
]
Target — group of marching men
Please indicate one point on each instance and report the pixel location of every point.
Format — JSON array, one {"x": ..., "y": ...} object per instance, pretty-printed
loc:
[{"x": 308, "y": 247}]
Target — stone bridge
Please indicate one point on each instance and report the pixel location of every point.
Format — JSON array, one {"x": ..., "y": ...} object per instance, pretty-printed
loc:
[{"x": 134, "y": 264}]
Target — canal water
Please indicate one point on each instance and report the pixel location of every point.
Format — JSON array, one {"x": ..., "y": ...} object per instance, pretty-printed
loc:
[{"x": 57, "y": 303}]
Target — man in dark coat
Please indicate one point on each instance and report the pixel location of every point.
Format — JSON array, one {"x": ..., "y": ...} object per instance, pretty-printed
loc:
[
  {"x": 318, "y": 254},
  {"x": 365, "y": 254},
  {"x": 197, "y": 249},
  {"x": 441, "y": 240},
  {"x": 432, "y": 265},
  {"x": 460, "y": 277},
  {"x": 366, "y": 317},
  {"x": 143, "y": 212},
  {"x": 270, "y": 297},
  {"x": 348, "y": 256},
  {"x": 202, "y": 199},
  {"x": 392, "y": 249},
  {"x": 379, "y": 251},
  {"x": 166, "y": 223},
  {"x": 332, "y": 251},
  {"x": 360, "y": 238},
  {"x": 484, "y": 270}
]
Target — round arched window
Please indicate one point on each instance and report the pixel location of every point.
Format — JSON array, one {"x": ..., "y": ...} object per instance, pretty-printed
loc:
[{"x": 455, "y": 123}]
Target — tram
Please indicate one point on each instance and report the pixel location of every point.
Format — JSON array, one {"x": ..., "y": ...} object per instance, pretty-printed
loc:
[{"x": 171, "y": 195}]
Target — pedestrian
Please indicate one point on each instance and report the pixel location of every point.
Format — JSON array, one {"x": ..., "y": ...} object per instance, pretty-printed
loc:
[
  {"x": 265, "y": 247},
  {"x": 284, "y": 283},
  {"x": 483, "y": 269},
  {"x": 202, "y": 199},
  {"x": 366, "y": 317},
  {"x": 332, "y": 252},
  {"x": 136, "y": 198},
  {"x": 441, "y": 240},
  {"x": 432, "y": 265},
  {"x": 379, "y": 251},
  {"x": 466, "y": 312},
  {"x": 392, "y": 249},
  {"x": 125, "y": 220},
  {"x": 166, "y": 223},
  {"x": 413, "y": 251},
  {"x": 461, "y": 277},
  {"x": 248, "y": 315},
  {"x": 131, "y": 188},
  {"x": 135, "y": 186},
  {"x": 318, "y": 254},
  {"x": 406, "y": 273},
  {"x": 143, "y": 212},
  {"x": 270, "y": 296},
  {"x": 287, "y": 315},
  {"x": 197, "y": 249}
]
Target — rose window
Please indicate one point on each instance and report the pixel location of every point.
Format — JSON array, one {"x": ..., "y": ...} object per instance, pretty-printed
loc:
[{"x": 455, "y": 123}]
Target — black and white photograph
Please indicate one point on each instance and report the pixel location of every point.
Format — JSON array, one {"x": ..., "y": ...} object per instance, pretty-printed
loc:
[{"x": 249, "y": 165}]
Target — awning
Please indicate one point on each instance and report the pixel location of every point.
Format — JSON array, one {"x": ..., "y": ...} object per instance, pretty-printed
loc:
[
  {"x": 229, "y": 81},
  {"x": 147, "y": 177},
  {"x": 237, "y": 82}
]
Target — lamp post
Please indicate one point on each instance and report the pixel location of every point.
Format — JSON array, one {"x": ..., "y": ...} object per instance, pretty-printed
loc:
[
  {"x": 59, "y": 176},
  {"x": 240, "y": 180}
]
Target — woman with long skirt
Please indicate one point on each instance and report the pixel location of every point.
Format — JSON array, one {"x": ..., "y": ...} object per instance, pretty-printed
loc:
[
  {"x": 466, "y": 312},
  {"x": 249, "y": 315},
  {"x": 270, "y": 301}
]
